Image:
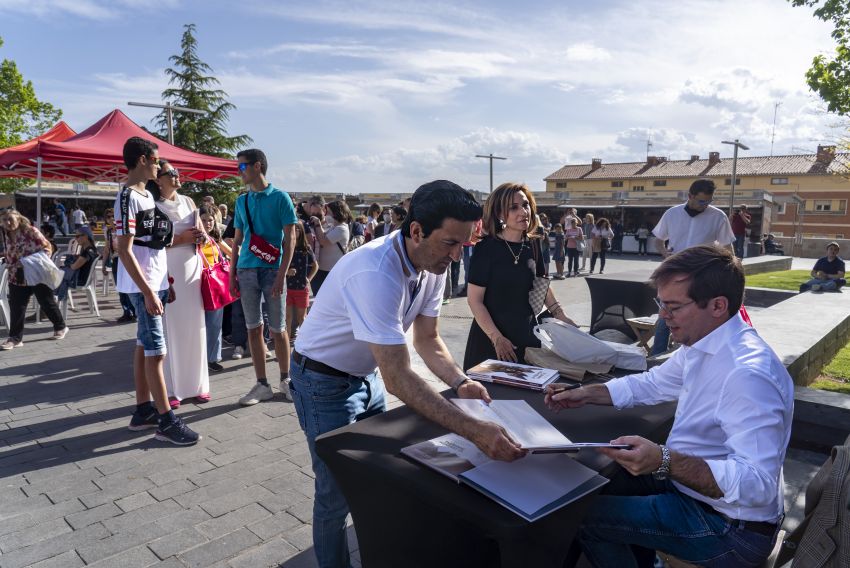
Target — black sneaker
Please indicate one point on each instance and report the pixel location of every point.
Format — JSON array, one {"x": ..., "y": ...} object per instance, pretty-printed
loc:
[
  {"x": 215, "y": 367},
  {"x": 144, "y": 420},
  {"x": 177, "y": 433}
]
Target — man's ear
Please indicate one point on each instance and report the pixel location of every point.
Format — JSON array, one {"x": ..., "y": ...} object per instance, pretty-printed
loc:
[
  {"x": 720, "y": 306},
  {"x": 416, "y": 232}
]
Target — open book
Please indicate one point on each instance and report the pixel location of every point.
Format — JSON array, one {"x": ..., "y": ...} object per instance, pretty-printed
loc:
[
  {"x": 526, "y": 426},
  {"x": 532, "y": 487},
  {"x": 512, "y": 374}
]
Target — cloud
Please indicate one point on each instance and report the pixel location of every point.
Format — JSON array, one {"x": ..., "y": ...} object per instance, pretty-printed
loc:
[
  {"x": 529, "y": 159},
  {"x": 741, "y": 91},
  {"x": 101, "y": 10},
  {"x": 587, "y": 52}
]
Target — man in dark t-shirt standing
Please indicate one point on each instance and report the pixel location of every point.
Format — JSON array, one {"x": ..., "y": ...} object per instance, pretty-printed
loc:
[{"x": 828, "y": 273}]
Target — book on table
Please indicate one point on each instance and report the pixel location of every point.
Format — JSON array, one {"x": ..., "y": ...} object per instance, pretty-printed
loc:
[
  {"x": 513, "y": 374},
  {"x": 533, "y": 486}
]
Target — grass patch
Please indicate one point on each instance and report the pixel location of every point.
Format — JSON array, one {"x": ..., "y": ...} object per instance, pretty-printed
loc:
[
  {"x": 833, "y": 385},
  {"x": 782, "y": 280},
  {"x": 839, "y": 367}
]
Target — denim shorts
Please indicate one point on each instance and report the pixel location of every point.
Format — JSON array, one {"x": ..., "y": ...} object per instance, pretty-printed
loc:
[
  {"x": 150, "y": 334},
  {"x": 255, "y": 285}
]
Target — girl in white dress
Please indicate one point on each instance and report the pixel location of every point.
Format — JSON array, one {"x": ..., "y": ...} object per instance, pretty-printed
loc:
[{"x": 186, "y": 374}]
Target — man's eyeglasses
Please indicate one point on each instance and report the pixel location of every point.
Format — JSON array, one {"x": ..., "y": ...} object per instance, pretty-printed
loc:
[
  {"x": 244, "y": 165},
  {"x": 172, "y": 172},
  {"x": 662, "y": 307},
  {"x": 152, "y": 160}
]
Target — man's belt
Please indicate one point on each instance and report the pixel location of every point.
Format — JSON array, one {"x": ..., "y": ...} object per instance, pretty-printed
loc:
[
  {"x": 763, "y": 528},
  {"x": 318, "y": 366}
]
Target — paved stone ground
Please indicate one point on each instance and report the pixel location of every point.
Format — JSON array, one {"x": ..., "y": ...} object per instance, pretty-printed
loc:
[{"x": 77, "y": 488}]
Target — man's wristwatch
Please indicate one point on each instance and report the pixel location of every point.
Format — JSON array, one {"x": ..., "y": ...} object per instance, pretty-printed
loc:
[
  {"x": 459, "y": 383},
  {"x": 663, "y": 472}
]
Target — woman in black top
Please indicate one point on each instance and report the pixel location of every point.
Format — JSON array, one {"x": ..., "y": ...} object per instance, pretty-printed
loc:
[{"x": 501, "y": 274}]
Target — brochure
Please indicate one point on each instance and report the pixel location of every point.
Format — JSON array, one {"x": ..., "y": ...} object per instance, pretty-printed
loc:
[
  {"x": 513, "y": 374},
  {"x": 531, "y": 487}
]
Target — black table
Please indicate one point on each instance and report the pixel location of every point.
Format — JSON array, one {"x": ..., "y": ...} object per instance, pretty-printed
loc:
[
  {"x": 618, "y": 297},
  {"x": 407, "y": 515}
]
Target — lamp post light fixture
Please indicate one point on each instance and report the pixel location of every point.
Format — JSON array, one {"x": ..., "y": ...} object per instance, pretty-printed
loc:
[
  {"x": 737, "y": 144},
  {"x": 490, "y": 157},
  {"x": 169, "y": 115}
]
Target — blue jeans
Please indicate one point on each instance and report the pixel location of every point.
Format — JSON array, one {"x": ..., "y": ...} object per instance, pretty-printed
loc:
[
  {"x": 213, "y": 321},
  {"x": 325, "y": 403},
  {"x": 255, "y": 285},
  {"x": 467, "y": 255},
  {"x": 662, "y": 337},
  {"x": 825, "y": 284},
  {"x": 739, "y": 245},
  {"x": 638, "y": 515},
  {"x": 150, "y": 333},
  {"x": 69, "y": 280},
  {"x": 126, "y": 304}
]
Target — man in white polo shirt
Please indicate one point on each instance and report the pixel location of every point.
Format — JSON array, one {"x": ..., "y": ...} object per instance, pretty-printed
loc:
[
  {"x": 357, "y": 325},
  {"x": 695, "y": 222}
]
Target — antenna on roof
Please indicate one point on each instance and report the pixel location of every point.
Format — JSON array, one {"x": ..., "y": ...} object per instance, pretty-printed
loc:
[
  {"x": 648, "y": 144},
  {"x": 773, "y": 133}
]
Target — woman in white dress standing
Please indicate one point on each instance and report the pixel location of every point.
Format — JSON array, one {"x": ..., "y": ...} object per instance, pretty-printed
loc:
[{"x": 186, "y": 374}]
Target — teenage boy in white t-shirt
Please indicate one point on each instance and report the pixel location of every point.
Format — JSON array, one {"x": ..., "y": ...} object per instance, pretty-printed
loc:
[
  {"x": 142, "y": 235},
  {"x": 357, "y": 325}
]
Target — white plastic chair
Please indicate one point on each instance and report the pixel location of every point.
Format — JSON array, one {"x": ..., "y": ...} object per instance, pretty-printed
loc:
[{"x": 90, "y": 290}]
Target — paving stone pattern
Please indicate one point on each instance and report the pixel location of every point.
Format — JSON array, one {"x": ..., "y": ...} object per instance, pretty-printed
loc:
[{"x": 79, "y": 489}]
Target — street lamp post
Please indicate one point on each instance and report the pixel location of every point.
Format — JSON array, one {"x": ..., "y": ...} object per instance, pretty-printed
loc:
[
  {"x": 490, "y": 157},
  {"x": 169, "y": 115},
  {"x": 737, "y": 144}
]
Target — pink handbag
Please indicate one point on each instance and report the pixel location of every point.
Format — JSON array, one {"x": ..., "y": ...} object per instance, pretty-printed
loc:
[{"x": 215, "y": 281}]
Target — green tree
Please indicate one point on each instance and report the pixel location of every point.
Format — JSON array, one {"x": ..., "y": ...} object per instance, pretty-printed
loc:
[
  {"x": 193, "y": 85},
  {"x": 829, "y": 77},
  {"x": 22, "y": 115}
]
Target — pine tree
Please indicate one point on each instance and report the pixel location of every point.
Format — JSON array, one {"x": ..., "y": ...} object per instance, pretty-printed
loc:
[
  {"x": 22, "y": 115},
  {"x": 194, "y": 86}
]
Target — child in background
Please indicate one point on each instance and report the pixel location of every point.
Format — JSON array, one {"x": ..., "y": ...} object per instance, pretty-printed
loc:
[
  {"x": 558, "y": 253},
  {"x": 301, "y": 270},
  {"x": 213, "y": 318}
]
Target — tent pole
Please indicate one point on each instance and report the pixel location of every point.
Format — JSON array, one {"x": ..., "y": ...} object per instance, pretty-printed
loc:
[{"x": 38, "y": 192}]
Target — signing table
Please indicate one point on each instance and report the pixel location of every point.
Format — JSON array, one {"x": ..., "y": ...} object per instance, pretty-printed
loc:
[{"x": 407, "y": 515}]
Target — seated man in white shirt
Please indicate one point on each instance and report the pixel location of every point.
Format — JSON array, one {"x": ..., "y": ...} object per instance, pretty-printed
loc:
[
  {"x": 713, "y": 494},
  {"x": 357, "y": 325}
]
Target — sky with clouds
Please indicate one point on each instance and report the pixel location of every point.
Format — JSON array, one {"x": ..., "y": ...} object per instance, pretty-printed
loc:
[{"x": 357, "y": 96}]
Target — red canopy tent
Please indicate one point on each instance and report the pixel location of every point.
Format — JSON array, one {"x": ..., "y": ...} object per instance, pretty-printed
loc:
[
  {"x": 60, "y": 131},
  {"x": 95, "y": 154}
]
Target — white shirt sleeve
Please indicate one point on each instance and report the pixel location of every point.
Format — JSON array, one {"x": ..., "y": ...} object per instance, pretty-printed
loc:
[
  {"x": 747, "y": 413},
  {"x": 372, "y": 301},
  {"x": 661, "y": 230},
  {"x": 338, "y": 234},
  {"x": 434, "y": 302},
  {"x": 725, "y": 235},
  {"x": 659, "y": 384}
]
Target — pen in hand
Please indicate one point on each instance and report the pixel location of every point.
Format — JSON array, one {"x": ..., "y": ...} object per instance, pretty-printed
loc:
[{"x": 555, "y": 389}]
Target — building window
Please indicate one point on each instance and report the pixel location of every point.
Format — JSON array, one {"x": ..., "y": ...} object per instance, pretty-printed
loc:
[
  {"x": 560, "y": 185},
  {"x": 616, "y": 184},
  {"x": 728, "y": 181},
  {"x": 637, "y": 188},
  {"x": 778, "y": 181},
  {"x": 780, "y": 208},
  {"x": 823, "y": 205},
  {"x": 659, "y": 182}
]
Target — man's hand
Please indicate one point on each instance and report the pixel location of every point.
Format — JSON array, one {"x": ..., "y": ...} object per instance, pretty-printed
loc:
[
  {"x": 474, "y": 389},
  {"x": 561, "y": 395},
  {"x": 153, "y": 304},
  {"x": 234, "y": 283},
  {"x": 504, "y": 349},
  {"x": 279, "y": 284},
  {"x": 172, "y": 295},
  {"x": 496, "y": 443},
  {"x": 643, "y": 458}
]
